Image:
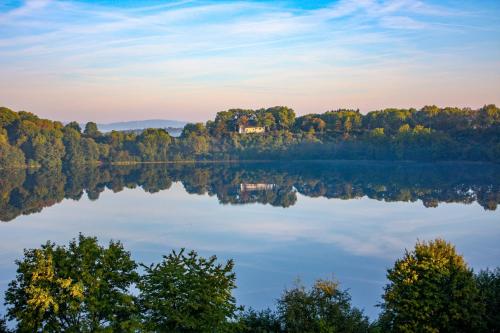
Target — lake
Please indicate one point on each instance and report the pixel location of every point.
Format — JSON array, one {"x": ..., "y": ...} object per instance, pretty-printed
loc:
[{"x": 278, "y": 221}]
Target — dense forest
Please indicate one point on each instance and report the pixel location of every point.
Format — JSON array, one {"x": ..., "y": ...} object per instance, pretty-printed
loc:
[
  {"x": 428, "y": 134},
  {"x": 87, "y": 287},
  {"x": 27, "y": 191}
]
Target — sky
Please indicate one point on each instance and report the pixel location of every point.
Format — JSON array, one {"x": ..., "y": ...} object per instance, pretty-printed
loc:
[{"x": 108, "y": 60}]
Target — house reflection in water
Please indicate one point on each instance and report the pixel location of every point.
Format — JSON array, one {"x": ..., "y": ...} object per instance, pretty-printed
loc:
[
  {"x": 250, "y": 187},
  {"x": 257, "y": 192}
]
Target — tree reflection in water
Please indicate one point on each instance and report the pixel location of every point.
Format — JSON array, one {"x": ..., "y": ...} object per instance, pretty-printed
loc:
[{"x": 29, "y": 191}]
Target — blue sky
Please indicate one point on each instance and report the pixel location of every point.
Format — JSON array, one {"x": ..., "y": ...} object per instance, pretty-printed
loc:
[{"x": 119, "y": 60}]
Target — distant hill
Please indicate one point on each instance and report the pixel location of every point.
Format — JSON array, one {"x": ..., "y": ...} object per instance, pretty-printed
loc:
[
  {"x": 173, "y": 131},
  {"x": 141, "y": 124}
]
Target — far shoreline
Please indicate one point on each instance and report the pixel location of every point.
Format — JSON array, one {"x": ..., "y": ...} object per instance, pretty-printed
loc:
[{"x": 263, "y": 161}]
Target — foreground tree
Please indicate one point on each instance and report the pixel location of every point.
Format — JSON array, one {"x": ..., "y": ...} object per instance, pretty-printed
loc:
[
  {"x": 323, "y": 308},
  {"x": 265, "y": 321},
  {"x": 188, "y": 293},
  {"x": 80, "y": 288},
  {"x": 431, "y": 290},
  {"x": 488, "y": 282},
  {"x": 84, "y": 287},
  {"x": 3, "y": 326}
]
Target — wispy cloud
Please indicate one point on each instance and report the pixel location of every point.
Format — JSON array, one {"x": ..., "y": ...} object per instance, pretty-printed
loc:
[
  {"x": 209, "y": 45},
  {"x": 402, "y": 22},
  {"x": 29, "y": 7}
]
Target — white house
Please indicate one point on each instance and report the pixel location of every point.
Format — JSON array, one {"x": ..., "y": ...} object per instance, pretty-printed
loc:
[{"x": 250, "y": 129}]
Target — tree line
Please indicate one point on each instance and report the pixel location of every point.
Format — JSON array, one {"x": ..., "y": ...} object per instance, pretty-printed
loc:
[
  {"x": 428, "y": 134},
  {"x": 28, "y": 191},
  {"x": 86, "y": 287}
]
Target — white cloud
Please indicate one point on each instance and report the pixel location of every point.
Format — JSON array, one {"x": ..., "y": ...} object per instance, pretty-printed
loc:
[
  {"x": 402, "y": 22},
  {"x": 252, "y": 47},
  {"x": 27, "y": 8}
]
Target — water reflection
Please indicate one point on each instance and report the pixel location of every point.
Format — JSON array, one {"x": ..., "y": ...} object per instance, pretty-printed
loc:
[
  {"x": 234, "y": 211},
  {"x": 25, "y": 192}
]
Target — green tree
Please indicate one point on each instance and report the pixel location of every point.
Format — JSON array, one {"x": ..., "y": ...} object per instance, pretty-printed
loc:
[
  {"x": 488, "y": 282},
  {"x": 83, "y": 287},
  {"x": 377, "y": 133},
  {"x": 265, "y": 321},
  {"x": 431, "y": 133},
  {"x": 195, "y": 140},
  {"x": 489, "y": 115},
  {"x": 10, "y": 156},
  {"x": 323, "y": 308},
  {"x": 431, "y": 290},
  {"x": 3, "y": 326},
  {"x": 7, "y": 117},
  {"x": 284, "y": 116},
  {"x": 90, "y": 150},
  {"x": 188, "y": 293},
  {"x": 74, "y": 125},
  {"x": 153, "y": 144},
  {"x": 404, "y": 129},
  {"x": 91, "y": 130},
  {"x": 72, "y": 143},
  {"x": 267, "y": 120}
]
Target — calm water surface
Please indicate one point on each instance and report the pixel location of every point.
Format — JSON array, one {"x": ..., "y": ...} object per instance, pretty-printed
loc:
[{"x": 278, "y": 221}]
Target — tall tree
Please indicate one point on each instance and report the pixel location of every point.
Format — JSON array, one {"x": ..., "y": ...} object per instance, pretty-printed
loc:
[
  {"x": 488, "y": 282},
  {"x": 91, "y": 130},
  {"x": 188, "y": 293},
  {"x": 432, "y": 290},
  {"x": 323, "y": 308},
  {"x": 80, "y": 288},
  {"x": 3, "y": 326}
]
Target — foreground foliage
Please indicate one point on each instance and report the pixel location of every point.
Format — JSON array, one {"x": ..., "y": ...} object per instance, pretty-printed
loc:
[
  {"x": 432, "y": 290},
  {"x": 488, "y": 283},
  {"x": 3, "y": 326},
  {"x": 187, "y": 293},
  {"x": 85, "y": 287},
  {"x": 265, "y": 321},
  {"x": 324, "y": 308}
]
